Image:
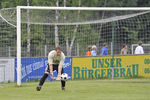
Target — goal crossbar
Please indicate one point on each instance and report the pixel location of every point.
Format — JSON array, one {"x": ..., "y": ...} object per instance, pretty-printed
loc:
[{"x": 84, "y": 8}]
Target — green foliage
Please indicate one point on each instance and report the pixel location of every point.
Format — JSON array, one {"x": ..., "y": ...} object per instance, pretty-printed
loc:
[
  {"x": 7, "y": 36},
  {"x": 138, "y": 30},
  {"x": 44, "y": 35},
  {"x": 122, "y": 3},
  {"x": 75, "y": 3}
]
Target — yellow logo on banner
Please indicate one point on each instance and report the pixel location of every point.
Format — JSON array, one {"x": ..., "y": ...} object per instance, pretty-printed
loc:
[{"x": 106, "y": 67}]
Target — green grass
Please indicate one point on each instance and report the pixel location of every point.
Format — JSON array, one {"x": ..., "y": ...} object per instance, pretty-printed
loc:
[{"x": 127, "y": 89}]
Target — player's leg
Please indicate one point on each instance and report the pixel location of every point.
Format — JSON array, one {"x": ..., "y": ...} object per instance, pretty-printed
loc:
[
  {"x": 42, "y": 80},
  {"x": 55, "y": 67}
]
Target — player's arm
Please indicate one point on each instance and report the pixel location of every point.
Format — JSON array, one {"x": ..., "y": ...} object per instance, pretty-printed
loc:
[
  {"x": 106, "y": 51},
  {"x": 142, "y": 51},
  {"x": 51, "y": 68},
  {"x": 121, "y": 51},
  {"x": 50, "y": 62},
  {"x": 61, "y": 63}
]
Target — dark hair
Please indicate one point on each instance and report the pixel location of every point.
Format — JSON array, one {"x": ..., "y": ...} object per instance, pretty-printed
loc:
[
  {"x": 124, "y": 45},
  {"x": 140, "y": 43},
  {"x": 89, "y": 47},
  {"x": 58, "y": 48}
]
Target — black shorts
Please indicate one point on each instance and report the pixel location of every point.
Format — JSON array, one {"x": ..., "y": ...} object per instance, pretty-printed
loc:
[{"x": 55, "y": 67}]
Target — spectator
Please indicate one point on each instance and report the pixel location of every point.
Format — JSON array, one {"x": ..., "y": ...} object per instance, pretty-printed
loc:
[
  {"x": 104, "y": 50},
  {"x": 88, "y": 53},
  {"x": 93, "y": 52},
  {"x": 139, "y": 49},
  {"x": 124, "y": 50}
]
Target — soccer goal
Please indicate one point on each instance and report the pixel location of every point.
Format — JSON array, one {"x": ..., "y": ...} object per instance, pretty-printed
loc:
[{"x": 40, "y": 29}]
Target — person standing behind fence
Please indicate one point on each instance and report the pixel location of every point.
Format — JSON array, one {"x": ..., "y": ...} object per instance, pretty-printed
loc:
[
  {"x": 88, "y": 53},
  {"x": 94, "y": 52},
  {"x": 139, "y": 49},
  {"x": 104, "y": 50},
  {"x": 124, "y": 50}
]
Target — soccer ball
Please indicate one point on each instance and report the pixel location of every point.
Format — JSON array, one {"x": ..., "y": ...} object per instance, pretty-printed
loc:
[{"x": 64, "y": 77}]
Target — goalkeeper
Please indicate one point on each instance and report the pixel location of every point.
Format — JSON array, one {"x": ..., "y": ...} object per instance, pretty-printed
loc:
[{"x": 55, "y": 62}]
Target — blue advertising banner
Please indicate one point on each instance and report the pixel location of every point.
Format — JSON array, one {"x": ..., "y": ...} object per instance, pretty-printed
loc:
[{"x": 34, "y": 68}]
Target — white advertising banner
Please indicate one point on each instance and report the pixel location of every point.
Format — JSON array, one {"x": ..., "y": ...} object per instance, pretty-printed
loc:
[{"x": 6, "y": 70}]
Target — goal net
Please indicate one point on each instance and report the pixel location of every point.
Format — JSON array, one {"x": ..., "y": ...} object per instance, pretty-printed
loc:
[{"x": 40, "y": 29}]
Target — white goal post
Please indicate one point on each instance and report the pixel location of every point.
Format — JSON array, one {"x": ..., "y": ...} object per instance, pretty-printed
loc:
[{"x": 19, "y": 8}]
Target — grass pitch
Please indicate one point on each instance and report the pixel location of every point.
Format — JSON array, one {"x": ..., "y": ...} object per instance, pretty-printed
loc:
[{"x": 127, "y": 89}]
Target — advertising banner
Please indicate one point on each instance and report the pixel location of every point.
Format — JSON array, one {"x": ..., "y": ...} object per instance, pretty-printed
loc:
[
  {"x": 7, "y": 70},
  {"x": 34, "y": 68},
  {"x": 108, "y": 67}
]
